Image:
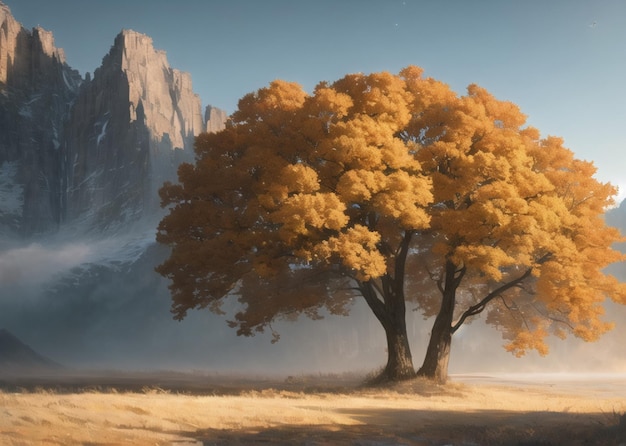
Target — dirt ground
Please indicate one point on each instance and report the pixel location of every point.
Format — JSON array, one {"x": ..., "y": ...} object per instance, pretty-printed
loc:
[{"x": 198, "y": 409}]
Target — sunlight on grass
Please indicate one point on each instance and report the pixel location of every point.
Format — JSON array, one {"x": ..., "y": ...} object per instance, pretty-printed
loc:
[{"x": 493, "y": 414}]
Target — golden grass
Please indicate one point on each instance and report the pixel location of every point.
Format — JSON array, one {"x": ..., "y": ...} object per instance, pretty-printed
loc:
[{"x": 417, "y": 412}]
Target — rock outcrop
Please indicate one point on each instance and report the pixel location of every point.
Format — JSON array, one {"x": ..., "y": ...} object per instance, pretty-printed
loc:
[
  {"x": 215, "y": 119},
  {"x": 89, "y": 153}
]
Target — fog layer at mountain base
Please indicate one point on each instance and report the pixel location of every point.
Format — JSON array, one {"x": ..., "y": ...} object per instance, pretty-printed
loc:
[{"x": 99, "y": 304}]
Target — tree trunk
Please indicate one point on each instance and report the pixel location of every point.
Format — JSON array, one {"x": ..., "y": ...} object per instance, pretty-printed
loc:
[
  {"x": 386, "y": 300},
  {"x": 435, "y": 364},
  {"x": 392, "y": 315},
  {"x": 399, "y": 359}
]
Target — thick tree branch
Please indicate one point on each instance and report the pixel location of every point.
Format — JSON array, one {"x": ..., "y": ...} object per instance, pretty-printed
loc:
[
  {"x": 480, "y": 306},
  {"x": 369, "y": 293}
]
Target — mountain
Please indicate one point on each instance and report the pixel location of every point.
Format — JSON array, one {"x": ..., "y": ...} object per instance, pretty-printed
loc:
[
  {"x": 81, "y": 160},
  {"x": 617, "y": 217},
  {"x": 130, "y": 128},
  {"x": 17, "y": 357},
  {"x": 89, "y": 154}
]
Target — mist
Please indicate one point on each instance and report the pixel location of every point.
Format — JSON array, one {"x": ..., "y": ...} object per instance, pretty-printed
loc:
[
  {"x": 35, "y": 264},
  {"x": 97, "y": 304}
]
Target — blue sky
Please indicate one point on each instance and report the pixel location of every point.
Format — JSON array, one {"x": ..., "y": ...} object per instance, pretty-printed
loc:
[{"x": 562, "y": 61}]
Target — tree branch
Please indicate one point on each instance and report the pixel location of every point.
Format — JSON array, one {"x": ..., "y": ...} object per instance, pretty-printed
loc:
[
  {"x": 551, "y": 318},
  {"x": 517, "y": 311},
  {"x": 480, "y": 306},
  {"x": 458, "y": 276},
  {"x": 368, "y": 291},
  {"x": 437, "y": 279}
]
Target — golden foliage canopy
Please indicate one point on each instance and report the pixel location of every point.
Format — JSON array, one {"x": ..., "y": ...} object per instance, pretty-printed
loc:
[
  {"x": 521, "y": 219},
  {"x": 303, "y": 192},
  {"x": 296, "y": 183}
]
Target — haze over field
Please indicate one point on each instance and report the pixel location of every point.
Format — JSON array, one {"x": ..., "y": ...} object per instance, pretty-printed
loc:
[{"x": 87, "y": 309}]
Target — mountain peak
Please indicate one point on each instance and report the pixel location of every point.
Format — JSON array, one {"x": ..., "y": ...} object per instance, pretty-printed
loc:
[
  {"x": 132, "y": 32},
  {"x": 131, "y": 127},
  {"x": 46, "y": 40},
  {"x": 133, "y": 39},
  {"x": 172, "y": 110},
  {"x": 24, "y": 54},
  {"x": 12, "y": 32}
]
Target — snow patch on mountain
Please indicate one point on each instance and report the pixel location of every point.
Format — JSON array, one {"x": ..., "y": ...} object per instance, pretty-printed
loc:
[{"x": 103, "y": 132}]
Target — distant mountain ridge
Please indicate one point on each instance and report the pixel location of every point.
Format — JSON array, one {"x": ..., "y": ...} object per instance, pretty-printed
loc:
[
  {"x": 617, "y": 216},
  {"x": 90, "y": 153},
  {"x": 17, "y": 357}
]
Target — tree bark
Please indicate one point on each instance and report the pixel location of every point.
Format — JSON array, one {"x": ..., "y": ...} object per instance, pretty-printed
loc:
[
  {"x": 437, "y": 357},
  {"x": 435, "y": 364},
  {"x": 399, "y": 359},
  {"x": 392, "y": 315}
]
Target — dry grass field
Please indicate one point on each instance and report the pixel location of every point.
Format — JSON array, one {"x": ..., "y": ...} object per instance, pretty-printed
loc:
[{"x": 177, "y": 409}]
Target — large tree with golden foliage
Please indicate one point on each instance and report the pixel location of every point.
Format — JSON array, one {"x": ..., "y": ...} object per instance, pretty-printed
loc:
[
  {"x": 301, "y": 202},
  {"x": 390, "y": 188},
  {"x": 516, "y": 229}
]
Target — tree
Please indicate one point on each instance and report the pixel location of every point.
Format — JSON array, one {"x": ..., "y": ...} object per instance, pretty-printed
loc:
[
  {"x": 516, "y": 228},
  {"x": 390, "y": 188},
  {"x": 301, "y": 203}
]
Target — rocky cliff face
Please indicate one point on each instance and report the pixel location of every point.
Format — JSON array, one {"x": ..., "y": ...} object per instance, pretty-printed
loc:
[
  {"x": 37, "y": 90},
  {"x": 89, "y": 153},
  {"x": 131, "y": 127}
]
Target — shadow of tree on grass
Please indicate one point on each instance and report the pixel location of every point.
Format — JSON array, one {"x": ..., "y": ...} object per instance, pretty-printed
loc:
[{"x": 385, "y": 427}]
